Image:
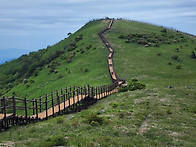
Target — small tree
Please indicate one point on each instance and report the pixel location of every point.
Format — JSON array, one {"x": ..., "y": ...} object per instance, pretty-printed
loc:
[
  {"x": 68, "y": 34},
  {"x": 193, "y": 55}
]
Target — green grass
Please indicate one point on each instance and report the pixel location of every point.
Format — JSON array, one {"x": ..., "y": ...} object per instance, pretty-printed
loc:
[
  {"x": 138, "y": 118},
  {"x": 163, "y": 114}
]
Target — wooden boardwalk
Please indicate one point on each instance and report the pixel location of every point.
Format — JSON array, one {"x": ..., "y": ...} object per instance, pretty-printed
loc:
[{"x": 70, "y": 102}]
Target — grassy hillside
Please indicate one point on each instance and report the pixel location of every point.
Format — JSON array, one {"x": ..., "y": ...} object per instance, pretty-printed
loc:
[
  {"x": 165, "y": 62},
  {"x": 80, "y": 59},
  {"x": 163, "y": 114}
]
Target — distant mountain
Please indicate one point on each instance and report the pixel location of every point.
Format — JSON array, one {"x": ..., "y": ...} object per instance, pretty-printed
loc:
[{"x": 10, "y": 54}]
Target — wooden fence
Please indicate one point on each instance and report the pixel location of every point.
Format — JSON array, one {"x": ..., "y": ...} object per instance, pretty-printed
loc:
[{"x": 64, "y": 101}]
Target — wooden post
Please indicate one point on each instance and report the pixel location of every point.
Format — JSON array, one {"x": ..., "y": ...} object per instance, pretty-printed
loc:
[
  {"x": 85, "y": 98},
  {"x": 88, "y": 91},
  {"x": 73, "y": 97},
  {"x": 64, "y": 102},
  {"x": 106, "y": 90},
  {"x": 14, "y": 106},
  {"x": 4, "y": 107},
  {"x": 36, "y": 108},
  {"x": 25, "y": 103},
  {"x": 103, "y": 91},
  {"x": 99, "y": 92},
  {"x": 77, "y": 99},
  {"x": 52, "y": 99},
  {"x": 14, "y": 109},
  {"x": 61, "y": 97},
  {"x": 78, "y": 94},
  {"x": 81, "y": 93},
  {"x": 96, "y": 93},
  {"x": 92, "y": 91},
  {"x": 40, "y": 104},
  {"x": 33, "y": 107},
  {"x": 46, "y": 106},
  {"x": 69, "y": 99},
  {"x": 66, "y": 99},
  {"x": 58, "y": 99}
]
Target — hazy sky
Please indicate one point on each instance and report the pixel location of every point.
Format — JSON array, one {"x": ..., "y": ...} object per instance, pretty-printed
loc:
[{"x": 34, "y": 24}]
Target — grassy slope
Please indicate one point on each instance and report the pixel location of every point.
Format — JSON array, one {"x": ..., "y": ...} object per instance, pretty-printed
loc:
[
  {"x": 157, "y": 116},
  {"x": 144, "y": 63},
  {"x": 73, "y": 73}
]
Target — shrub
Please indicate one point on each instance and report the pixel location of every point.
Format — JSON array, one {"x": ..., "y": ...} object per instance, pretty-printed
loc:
[
  {"x": 32, "y": 81},
  {"x": 156, "y": 45},
  {"x": 68, "y": 60},
  {"x": 178, "y": 66},
  {"x": 123, "y": 89},
  {"x": 94, "y": 119},
  {"x": 58, "y": 140},
  {"x": 193, "y": 55},
  {"x": 136, "y": 86},
  {"x": 68, "y": 34},
  {"x": 82, "y": 51},
  {"x": 134, "y": 80},
  {"x": 114, "y": 105},
  {"x": 94, "y": 123},
  {"x": 27, "y": 85},
  {"x": 164, "y": 31},
  {"x": 121, "y": 115},
  {"x": 175, "y": 57},
  {"x": 133, "y": 86},
  {"x": 122, "y": 37},
  {"x": 60, "y": 76},
  {"x": 127, "y": 41},
  {"x": 169, "y": 63},
  {"x": 59, "y": 120},
  {"x": 158, "y": 54},
  {"x": 86, "y": 70},
  {"x": 142, "y": 41}
]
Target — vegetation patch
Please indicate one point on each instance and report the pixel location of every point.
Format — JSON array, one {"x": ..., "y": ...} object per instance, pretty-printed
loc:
[
  {"x": 94, "y": 119},
  {"x": 134, "y": 85}
]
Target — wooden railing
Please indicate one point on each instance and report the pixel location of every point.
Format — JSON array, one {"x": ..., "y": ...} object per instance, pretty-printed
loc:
[{"x": 72, "y": 99}]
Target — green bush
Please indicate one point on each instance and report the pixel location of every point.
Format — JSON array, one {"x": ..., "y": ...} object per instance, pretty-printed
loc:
[
  {"x": 178, "y": 66},
  {"x": 135, "y": 85},
  {"x": 58, "y": 140},
  {"x": 86, "y": 70},
  {"x": 164, "y": 31},
  {"x": 123, "y": 89},
  {"x": 94, "y": 123},
  {"x": 59, "y": 120},
  {"x": 193, "y": 55},
  {"x": 114, "y": 105},
  {"x": 134, "y": 80},
  {"x": 94, "y": 119},
  {"x": 175, "y": 57},
  {"x": 122, "y": 37},
  {"x": 159, "y": 54}
]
